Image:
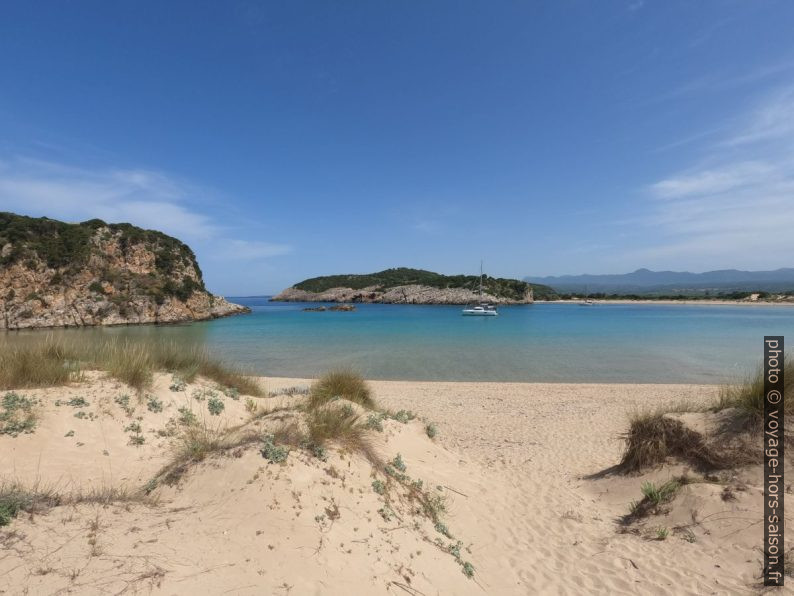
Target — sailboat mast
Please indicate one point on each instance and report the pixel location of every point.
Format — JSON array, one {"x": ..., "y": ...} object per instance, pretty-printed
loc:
[{"x": 480, "y": 281}]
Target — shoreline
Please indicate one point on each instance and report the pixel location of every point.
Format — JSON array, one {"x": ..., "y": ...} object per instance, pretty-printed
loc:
[
  {"x": 599, "y": 301},
  {"x": 674, "y": 302},
  {"x": 281, "y": 381}
]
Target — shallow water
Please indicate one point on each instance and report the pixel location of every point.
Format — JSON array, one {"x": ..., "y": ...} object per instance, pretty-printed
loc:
[{"x": 539, "y": 342}]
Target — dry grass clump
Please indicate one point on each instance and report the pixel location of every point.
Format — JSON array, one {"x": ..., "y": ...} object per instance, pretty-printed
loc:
[
  {"x": 196, "y": 443},
  {"x": 16, "y": 498},
  {"x": 344, "y": 384},
  {"x": 52, "y": 362},
  {"x": 748, "y": 396},
  {"x": 652, "y": 438},
  {"x": 341, "y": 425},
  {"x": 36, "y": 365}
]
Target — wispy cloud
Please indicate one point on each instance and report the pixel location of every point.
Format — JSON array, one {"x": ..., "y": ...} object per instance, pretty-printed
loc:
[
  {"x": 737, "y": 205},
  {"x": 143, "y": 197},
  {"x": 771, "y": 120},
  {"x": 426, "y": 225},
  {"x": 252, "y": 250}
]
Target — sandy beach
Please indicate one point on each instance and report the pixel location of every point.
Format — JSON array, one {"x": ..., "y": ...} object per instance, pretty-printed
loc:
[{"x": 513, "y": 461}]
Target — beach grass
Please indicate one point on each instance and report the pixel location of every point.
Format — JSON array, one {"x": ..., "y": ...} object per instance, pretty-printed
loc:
[
  {"x": 342, "y": 426},
  {"x": 748, "y": 395},
  {"x": 341, "y": 383},
  {"x": 52, "y": 362},
  {"x": 652, "y": 437},
  {"x": 16, "y": 498}
]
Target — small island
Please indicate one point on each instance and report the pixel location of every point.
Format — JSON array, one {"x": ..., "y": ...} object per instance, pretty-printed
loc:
[{"x": 414, "y": 286}]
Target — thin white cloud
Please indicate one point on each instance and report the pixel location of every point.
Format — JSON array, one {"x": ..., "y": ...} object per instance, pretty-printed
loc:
[
  {"x": 142, "y": 197},
  {"x": 252, "y": 250},
  {"x": 771, "y": 120},
  {"x": 738, "y": 209},
  {"x": 713, "y": 181}
]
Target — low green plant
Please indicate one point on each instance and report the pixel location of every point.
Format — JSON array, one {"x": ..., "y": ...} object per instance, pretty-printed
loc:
[
  {"x": 398, "y": 463},
  {"x": 379, "y": 487},
  {"x": 403, "y": 416},
  {"x": 442, "y": 528},
  {"x": 431, "y": 430},
  {"x": 133, "y": 427},
  {"x": 318, "y": 451},
  {"x": 662, "y": 533},
  {"x": 177, "y": 383},
  {"x": 231, "y": 392},
  {"x": 375, "y": 422},
  {"x": 17, "y": 415},
  {"x": 124, "y": 401},
  {"x": 187, "y": 417},
  {"x": 275, "y": 454},
  {"x": 153, "y": 404},
  {"x": 78, "y": 402},
  {"x": 137, "y": 440},
  {"x": 468, "y": 569},
  {"x": 662, "y": 494},
  {"x": 215, "y": 405}
]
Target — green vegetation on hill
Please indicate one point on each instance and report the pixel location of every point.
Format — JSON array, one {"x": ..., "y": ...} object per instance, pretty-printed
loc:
[
  {"x": 402, "y": 276},
  {"x": 61, "y": 244},
  {"x": 68, "y": 248}
]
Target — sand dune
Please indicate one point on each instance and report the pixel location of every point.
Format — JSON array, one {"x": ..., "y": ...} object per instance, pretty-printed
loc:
[{"x": 510, "y": 459}]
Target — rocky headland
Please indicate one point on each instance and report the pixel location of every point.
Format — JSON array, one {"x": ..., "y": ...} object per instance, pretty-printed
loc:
[{"x": 56, "y": 274}]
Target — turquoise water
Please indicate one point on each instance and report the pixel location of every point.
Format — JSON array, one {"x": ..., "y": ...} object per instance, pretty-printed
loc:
[{"x": 539, "y": 342}]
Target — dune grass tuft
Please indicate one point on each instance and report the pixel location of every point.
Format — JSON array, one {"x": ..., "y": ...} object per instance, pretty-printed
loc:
[
  {"x": 344, "y": 384},
  {"x": 748, "y": 396},
  {"x": 652, "y": 438},
  {"x": 52, "y": 362},
  {"x": 196, "y": 443},
  {"x": 330, "y": 423}
]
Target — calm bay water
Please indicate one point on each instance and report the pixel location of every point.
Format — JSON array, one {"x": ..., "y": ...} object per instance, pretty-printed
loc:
[{"x": 539, "y": 342}]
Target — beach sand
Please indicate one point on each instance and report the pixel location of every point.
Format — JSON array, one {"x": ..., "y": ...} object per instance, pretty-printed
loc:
[{"x": 512, "y": 460}]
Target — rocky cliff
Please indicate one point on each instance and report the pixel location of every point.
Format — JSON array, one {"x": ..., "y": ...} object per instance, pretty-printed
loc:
[
  {"x": 55, "y": 274},
  {"x": 413, "y": 286}
]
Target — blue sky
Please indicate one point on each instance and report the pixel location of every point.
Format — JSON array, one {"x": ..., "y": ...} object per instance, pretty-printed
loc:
[{"x": 284, "y": 140}]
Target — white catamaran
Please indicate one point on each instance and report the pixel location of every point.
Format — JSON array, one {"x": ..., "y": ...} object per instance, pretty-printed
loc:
[{"x": 483, "y": 309}]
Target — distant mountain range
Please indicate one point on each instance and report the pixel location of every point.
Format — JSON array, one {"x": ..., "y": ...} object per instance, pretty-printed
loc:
[{"x": 645, "y": 281}]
